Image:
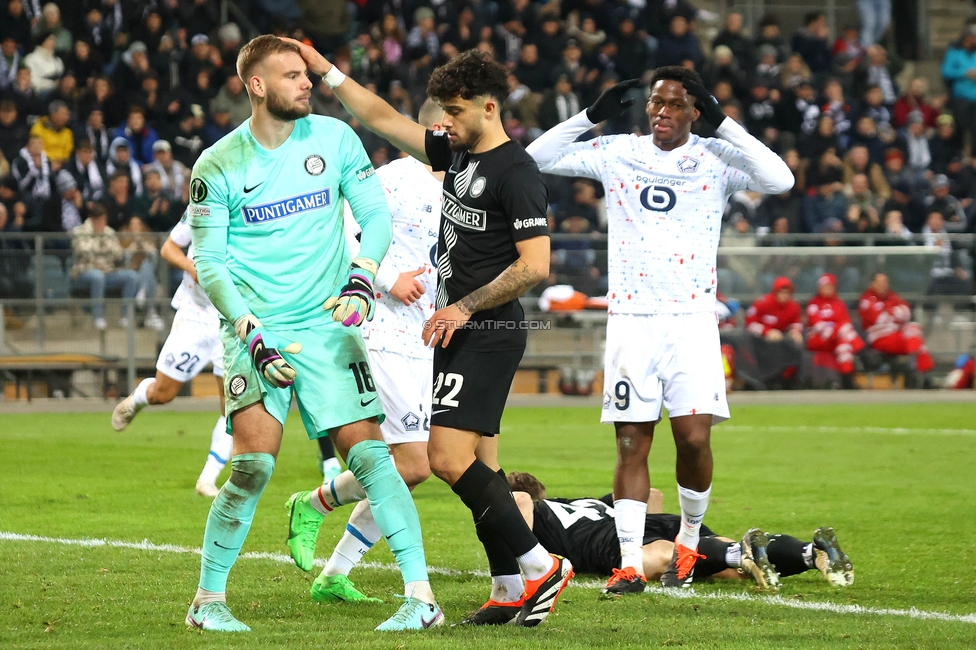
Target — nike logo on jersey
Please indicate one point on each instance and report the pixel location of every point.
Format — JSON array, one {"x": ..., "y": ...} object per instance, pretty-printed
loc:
[
  {"x": 226, "y": 548},
  {"x": 248, "y": 190},
  {"x": 440, "y": 411},
  {"x": 366, "y": 402},
  {"x": 396, "y": 533}
]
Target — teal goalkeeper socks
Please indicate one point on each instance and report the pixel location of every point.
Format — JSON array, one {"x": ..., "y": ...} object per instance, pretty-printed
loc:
[
  {"x": 230, "y": 517},
  {"x": 392, "y": 506}
]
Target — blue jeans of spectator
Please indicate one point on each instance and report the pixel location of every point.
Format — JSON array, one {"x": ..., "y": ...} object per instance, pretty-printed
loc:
[
  {"x": 147, "y": 281},
  {"x": 875, "y": 18},
  {"x": 98, "y": 281}
]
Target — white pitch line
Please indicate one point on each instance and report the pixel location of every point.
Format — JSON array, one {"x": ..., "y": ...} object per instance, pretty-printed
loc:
[
  {"x": 895, "y": 431},
  {"x": 834, "y": 608}
]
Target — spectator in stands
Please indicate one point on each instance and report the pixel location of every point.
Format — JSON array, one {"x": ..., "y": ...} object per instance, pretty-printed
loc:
[
  {"x": 911, "y": 209},
  {"x": 679, "y": 45},
  {"x": 530, "y": 71},
  {"x": 229, "y": 40},
  {"x": 217, "y": 126},
  {"x": 34, "y": 176},
  {"x": 945, "y": 144},
  {"x": 858, "y": 161},
  {"x": 775, "y": 322},
  {"x": 13, "y": 131},
  {"x": 896, "y": 172},
  {"x": 118, "y": 200},
  {"x": 769, "y": 34},
  {"x": 53, "y": 131},
  {"x": 879, "y": 69},
  {"x": 102, "y": 98},
  {"x": 97, "y": 259},
  {"x": 896, "y": 230},
  {"x": 158, "y": 211},
  {"x": 633, "y": 54},
  {"x": 141, "y": 251},
  {"x": 914, "y": 100},
  {"x": 962, "y": 183},
  {"x": 120, "y": 161},
  {"x": 133, "y": 68},
  {"x": 848, "y": 45},
  {"x": 959, "y": 72},
  {"x": 51, "y": 23},
  {"x": 584, "y": 29},
  {"x": 29, "y": 102},
  {"x": 724, "y": 67},
  {"x": 45, "y": 66},
  {"x": 915, "y": 144},
  {"x": 88, "y": 172},
  {"x": 558, "y": 104},
  {"x": 767, "y": 69},
  {"x": 732, "y": 37},
  {"x": 799, "y": 110},
  {"x": 951, "y": 209},
  {"x": 9, "y": 62},
  {"x": 422, "y": 50},
  {"x": 174, "y": 177},
  {"x": 68, "y": 92},
  {"x": 952, "y": 266},
  {"x": 787, "y": 206},
  {"x": 187, "y": 141},
  {"x": 830, "y": 333},
  {"x": 95, "y": 132},
  {"x": 824, "y": 139},
  {"x": 858, "y": 192},
  {"x": 84, "y": 61},
  {"x": 16, "y": 209},
  {"x": 138, "y": 134},
  {"x": 839, "y": 110},
  {"x": 812, "y": 43},
  {"x": 887, "y": 322},
  {"x": 233, "y": 98},
  {"x": 64, "y": 211},
  {"x": 827, "y": 203}
]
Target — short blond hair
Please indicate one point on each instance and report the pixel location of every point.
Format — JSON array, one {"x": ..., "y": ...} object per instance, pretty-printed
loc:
[{"x": 257, "y": 50}]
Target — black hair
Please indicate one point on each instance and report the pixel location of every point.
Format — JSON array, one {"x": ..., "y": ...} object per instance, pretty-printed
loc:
[
  {"x": 675, "y": 73},
  {"x": 468, "y": 75}
]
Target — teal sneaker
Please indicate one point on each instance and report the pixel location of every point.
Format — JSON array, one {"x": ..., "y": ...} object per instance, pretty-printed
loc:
[
  {"x": 338, "y": 589},
  {"x": 414, "y": 614},
  {"x": 214, "y": 617},
  {"x": 303, "y": 529}
]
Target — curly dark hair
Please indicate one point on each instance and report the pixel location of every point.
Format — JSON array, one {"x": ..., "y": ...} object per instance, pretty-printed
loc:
[
  {"x": 468, "y": 75},
  {"x": 675, "y": 73}
]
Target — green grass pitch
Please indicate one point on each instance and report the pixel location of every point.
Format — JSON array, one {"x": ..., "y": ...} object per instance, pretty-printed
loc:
[{"x": 895, "y": 481}]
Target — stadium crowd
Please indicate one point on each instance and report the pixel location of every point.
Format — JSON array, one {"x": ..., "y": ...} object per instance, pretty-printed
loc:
[{"x": 105, "y": 105}]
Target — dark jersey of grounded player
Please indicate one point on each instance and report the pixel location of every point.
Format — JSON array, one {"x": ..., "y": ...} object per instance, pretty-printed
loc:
[{"x": 583, "y": 530}]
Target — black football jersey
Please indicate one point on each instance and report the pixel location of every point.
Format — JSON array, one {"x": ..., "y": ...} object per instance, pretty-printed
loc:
[
  {"x": 491, "y": 201},
  {"x": 584, "y": 531}
]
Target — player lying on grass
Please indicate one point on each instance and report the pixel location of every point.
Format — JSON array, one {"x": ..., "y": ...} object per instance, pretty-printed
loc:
[
  {"x": 583, "y": 530},
  {"x": 193, "y": 342},
  {"x": 401, "y": 365}
]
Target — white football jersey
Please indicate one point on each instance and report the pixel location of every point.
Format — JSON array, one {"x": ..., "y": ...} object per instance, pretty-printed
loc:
[
  {"x": 664, "y": 213},
  {"x": 190, "y": 296},
  {"x": 414, "y": 197}
]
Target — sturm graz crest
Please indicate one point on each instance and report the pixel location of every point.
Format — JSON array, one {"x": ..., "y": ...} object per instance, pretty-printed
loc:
[
  {"x": 198, "y": 191},
  {"x": 314, "y": 164},
  {"x": 237, "y": 385}
]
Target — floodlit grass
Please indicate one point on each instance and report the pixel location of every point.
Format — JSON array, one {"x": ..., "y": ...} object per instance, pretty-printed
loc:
[{"x": 901, "y": 501}]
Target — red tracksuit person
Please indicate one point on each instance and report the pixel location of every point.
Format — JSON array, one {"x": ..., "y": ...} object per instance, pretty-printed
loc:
[
  {"x": 776, "y": 314},
  {"x": 886, "y": 319},
  {"x": 831, "y": 334}
]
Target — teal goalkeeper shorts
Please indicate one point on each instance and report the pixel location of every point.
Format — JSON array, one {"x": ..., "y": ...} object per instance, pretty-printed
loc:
[{"x": 333, "y": 385}]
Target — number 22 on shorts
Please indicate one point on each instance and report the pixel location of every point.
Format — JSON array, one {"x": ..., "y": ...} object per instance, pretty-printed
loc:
[{"x": 451, "y": 381}]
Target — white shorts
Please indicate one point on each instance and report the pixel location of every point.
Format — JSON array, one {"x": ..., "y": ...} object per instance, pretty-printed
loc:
[
  {"x": 404, "y": 387},
  {"x": 193, "y": 342},
  {"x": 669, "y": 360}
]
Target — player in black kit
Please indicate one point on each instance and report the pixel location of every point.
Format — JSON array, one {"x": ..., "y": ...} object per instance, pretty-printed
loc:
[
  {"x": 583, "y": 530},
  {"x": 493, "y": 246}
]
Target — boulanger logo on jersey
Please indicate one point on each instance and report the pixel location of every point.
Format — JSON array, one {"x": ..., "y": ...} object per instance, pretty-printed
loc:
[
  {"x": 287, "y": 207},
  {"x": 462, "y": 215}
]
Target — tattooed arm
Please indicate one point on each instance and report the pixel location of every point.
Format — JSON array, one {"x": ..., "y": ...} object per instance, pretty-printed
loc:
[{"x": 531, "y": 267}]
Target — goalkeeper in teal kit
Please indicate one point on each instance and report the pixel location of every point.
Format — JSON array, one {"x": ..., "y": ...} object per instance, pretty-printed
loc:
[{"x": 265, "y": 212}]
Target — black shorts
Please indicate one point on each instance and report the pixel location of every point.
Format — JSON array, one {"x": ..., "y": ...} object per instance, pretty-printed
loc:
[
  {"x": 666, "y": 527},
  {"x": 471, "y": 387}
]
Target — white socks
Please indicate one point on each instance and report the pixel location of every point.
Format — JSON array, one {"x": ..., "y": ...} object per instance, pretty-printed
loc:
[
  {"x": 507, "y": 589},
  {"x": 221, "y": 446},
  {"x": 361, "y": 533},
  {"x": 629, "y": 516},
  {"x": 733, "y": 556},
  {"x": 203, "y": 597},
  {"x": 693, "y": 507},
  {"x": 536, "y": 563},
  {"x": 342, "y": 490},
  {"x": 139, "y": 394}
]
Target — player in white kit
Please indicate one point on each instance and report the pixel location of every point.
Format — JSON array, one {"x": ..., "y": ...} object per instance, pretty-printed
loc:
[
  {"x": 666, "y": 194},
  {"x": 406, "y": 284},
  {"x": 193, "y": 342}
]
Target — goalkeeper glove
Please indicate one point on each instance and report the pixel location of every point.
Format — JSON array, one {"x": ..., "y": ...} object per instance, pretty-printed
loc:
[
  {"x": 263, "y": 346},
  {"x": 354, "y": 304}
]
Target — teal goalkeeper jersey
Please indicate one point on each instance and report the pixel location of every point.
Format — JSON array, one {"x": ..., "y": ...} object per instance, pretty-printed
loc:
[{"x": 282, "y": 211}]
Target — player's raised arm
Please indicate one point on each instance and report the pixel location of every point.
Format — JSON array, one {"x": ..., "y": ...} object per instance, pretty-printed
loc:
[
  {"x": 374, "y": 113},
  {"x": 557, "y": 152},
  {"x": 768, "y": 171}
]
